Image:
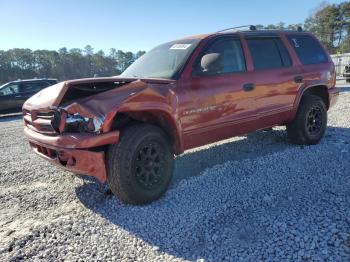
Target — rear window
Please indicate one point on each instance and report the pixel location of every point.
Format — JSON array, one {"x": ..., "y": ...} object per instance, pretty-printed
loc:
[
  {"x": 268, "y": 53},
  {"x": 308, "y": 49}
]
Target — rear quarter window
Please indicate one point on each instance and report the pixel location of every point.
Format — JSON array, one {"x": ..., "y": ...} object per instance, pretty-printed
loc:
[{"x": 308, "y": 49}]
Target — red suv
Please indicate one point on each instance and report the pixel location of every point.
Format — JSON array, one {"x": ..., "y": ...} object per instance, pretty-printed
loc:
[{"x": 182, "y": 94}]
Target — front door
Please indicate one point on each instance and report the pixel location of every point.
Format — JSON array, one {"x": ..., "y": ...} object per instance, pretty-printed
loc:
[{"x": 218, "y": 99}]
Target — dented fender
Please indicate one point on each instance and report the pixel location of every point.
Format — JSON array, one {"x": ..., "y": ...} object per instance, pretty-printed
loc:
[{"x": 147, "y": 100}]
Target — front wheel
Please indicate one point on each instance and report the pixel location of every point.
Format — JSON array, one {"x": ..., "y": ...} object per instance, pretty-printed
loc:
[
  {"x": 310, "y": 122},
  {"x": 140, "y": 166}
]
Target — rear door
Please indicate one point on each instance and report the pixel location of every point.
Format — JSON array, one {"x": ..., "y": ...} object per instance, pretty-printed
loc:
[
  {"x": 317, "y": 65},
  {"x": 276, "y": 79}
]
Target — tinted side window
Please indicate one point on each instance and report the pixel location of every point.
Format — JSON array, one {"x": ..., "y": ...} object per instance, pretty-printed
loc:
[
  {"x": 287, "y": 61},
  {"x": 308, "y": 49},
  {"x": 42, "y": 85},
  {"x": 221, "y": 57},
  {"x": 32, "y": 86},
  {"x": 52, "y": 82},
  {"x": 9, "y": 89},
  {"x": 268, "y": 53}
]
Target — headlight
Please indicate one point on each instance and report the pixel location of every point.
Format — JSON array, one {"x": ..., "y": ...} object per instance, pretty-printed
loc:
[{"x": 77, "y": 123}]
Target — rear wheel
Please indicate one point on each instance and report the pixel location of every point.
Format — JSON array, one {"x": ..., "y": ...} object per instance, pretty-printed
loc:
[
  {"x": 310, "y": 122},
  {"x": 140, "y": 166}
]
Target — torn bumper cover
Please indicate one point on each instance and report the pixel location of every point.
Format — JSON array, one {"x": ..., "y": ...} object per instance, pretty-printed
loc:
[{"x": 70, "y": 151}]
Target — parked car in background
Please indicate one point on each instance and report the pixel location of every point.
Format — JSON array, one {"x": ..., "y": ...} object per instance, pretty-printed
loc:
[
  {"x": 180, "y": 95},
  {"x": 15, "y": 93}
]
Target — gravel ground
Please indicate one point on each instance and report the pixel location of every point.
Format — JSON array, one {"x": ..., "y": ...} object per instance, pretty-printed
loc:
[{"x": 250, "y": 198}]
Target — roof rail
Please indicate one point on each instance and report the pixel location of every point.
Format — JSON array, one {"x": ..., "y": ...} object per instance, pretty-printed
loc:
[
  {"x": 254, "y": 28},
  {"x": 249, "y": 27}
]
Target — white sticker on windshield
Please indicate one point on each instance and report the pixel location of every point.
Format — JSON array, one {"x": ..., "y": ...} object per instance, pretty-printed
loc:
[{"x": 180, "y": 46}]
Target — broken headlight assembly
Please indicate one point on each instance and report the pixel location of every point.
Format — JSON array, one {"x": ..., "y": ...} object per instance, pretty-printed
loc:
[{"x": 77, "y": 123}]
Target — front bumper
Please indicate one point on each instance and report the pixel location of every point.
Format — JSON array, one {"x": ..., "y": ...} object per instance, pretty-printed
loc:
[
  {"x": 71, "y": 151},
  {"x": 333, "y": 96}
]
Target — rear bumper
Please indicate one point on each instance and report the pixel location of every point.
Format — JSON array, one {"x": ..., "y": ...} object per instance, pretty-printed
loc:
[
  {"x": 333, "y": 96},
  {"x": 71, "y": 151}
]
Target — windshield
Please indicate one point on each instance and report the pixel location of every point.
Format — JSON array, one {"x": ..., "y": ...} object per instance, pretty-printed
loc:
[{"x": 164, "y": 61}]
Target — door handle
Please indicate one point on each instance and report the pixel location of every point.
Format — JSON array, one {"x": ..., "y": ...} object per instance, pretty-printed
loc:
[
  {"x": 248, "y": 87},
  {"x": 298, "y": 79}
]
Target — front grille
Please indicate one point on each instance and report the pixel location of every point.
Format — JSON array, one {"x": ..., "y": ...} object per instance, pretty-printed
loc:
[{"x": 40, "y": 121}]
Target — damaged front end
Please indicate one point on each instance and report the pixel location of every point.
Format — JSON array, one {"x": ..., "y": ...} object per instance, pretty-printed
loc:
[
  {"x": 69, "y": 141},
  {"x": 66, "y": 130},
  {"x": 72, "y": 123}
]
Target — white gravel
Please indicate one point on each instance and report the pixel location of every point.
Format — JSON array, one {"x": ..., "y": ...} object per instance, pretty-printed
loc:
[{"x": 250, "y": 198}]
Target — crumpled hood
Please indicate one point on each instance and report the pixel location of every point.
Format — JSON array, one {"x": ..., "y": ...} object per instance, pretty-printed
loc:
[
  {"x": 73, "y": 97},
  {"x": 46, "y": 98},
  {"x": 102, "y": 100}
]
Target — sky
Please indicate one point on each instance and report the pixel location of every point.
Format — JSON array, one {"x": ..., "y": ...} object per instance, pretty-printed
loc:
[{"x": 132, "y": 25}]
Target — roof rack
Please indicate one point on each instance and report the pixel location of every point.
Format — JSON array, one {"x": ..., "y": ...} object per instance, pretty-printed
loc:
[
  {"x": 254, "y": 28},
  {"x": 237, "y": 28}
]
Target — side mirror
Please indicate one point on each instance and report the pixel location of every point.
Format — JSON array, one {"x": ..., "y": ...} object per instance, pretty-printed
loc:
[{"x": 210, "y": 64}]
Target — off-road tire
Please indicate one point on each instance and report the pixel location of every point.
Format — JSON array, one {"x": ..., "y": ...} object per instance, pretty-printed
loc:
[
  {"x": 305, "y": 129},
  {"x": 134, "y": 153}
]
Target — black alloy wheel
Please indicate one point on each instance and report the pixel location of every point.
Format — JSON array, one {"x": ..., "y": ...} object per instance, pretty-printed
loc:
[
  {"x": 314, "y": 120},
  {"x": 149, "y": 165}
]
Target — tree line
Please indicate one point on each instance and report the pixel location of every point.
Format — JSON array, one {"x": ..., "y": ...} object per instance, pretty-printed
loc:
[
  {"x": 19, "y": 63},
  {"x": 329, "y": 22}
]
